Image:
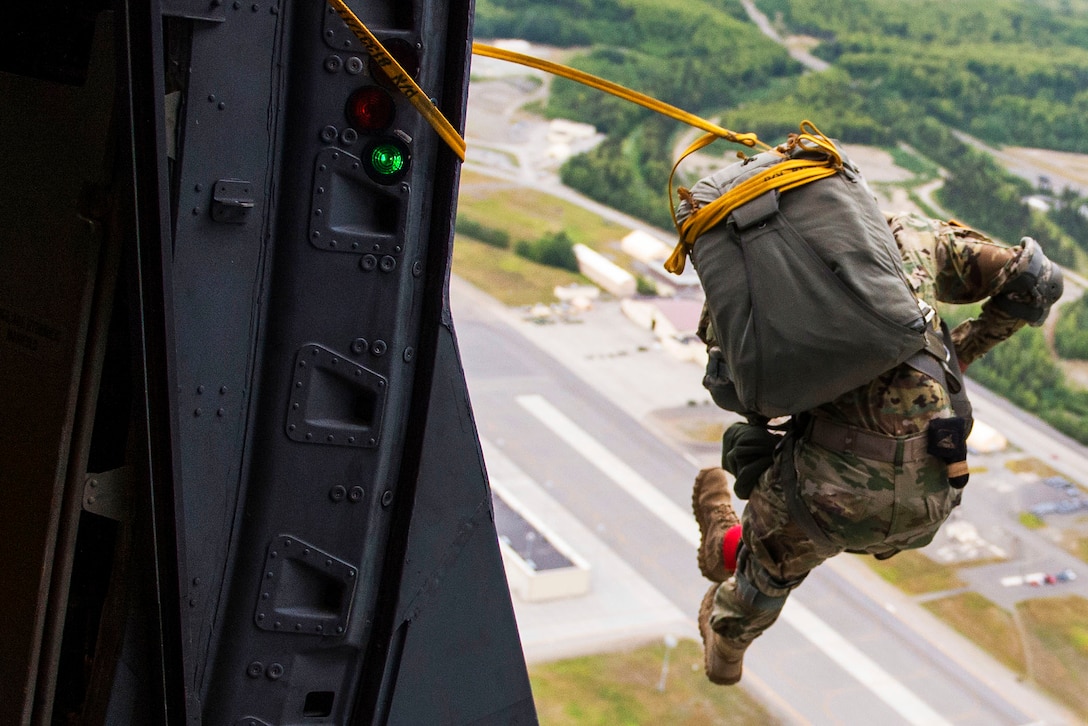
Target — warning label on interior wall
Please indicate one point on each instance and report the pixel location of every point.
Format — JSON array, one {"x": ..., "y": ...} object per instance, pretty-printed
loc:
[{"x": 30, "y": 334}]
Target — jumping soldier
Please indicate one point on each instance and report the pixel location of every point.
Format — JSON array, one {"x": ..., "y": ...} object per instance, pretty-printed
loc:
[{"x": 865, "y": 472}]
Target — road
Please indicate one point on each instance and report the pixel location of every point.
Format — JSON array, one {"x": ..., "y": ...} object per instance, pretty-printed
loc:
[{"x": 562, "y": 411}]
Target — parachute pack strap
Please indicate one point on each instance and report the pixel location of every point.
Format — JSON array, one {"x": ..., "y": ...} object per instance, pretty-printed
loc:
[
  {"x": 783, "y": 177},
  {"x": 700, "y": 143},
  {"x": 825, "y": 161},
  {"x": 587, "y": 79},
  {"x": 403, "y": 81}
]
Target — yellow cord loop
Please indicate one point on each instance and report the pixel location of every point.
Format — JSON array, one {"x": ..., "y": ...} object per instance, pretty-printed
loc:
[
  {"x": 401, "y": 79},
  {"x": 824, "y": 162}
]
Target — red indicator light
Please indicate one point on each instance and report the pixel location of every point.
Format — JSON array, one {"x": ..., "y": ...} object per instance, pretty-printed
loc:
[{"x": 370, "y": 109}]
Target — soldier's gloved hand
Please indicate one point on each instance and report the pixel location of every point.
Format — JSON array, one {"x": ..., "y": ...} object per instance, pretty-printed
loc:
[
  {"x": 747, "y": 451},
  {"x": 1035, "y": 285}
]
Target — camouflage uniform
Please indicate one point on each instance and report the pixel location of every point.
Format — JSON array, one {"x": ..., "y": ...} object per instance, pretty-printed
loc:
[{"x": 866, "y": 505}]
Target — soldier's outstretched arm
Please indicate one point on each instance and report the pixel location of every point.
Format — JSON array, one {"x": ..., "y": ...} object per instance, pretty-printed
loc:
[{"x": 1020, "y": 282}]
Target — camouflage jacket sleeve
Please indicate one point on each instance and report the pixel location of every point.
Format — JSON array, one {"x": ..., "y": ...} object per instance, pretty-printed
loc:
[{"x": 954, "y": 264}]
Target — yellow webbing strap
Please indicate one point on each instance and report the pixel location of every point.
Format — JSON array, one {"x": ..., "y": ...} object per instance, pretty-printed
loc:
[
  {"x": 784, "y": 176},
  {"x": 401, "y": 79},
  {"x": 573, "y": 74}
]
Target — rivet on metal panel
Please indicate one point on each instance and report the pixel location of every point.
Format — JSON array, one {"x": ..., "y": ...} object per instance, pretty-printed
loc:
[
  {"x": 358, "y": 346},
  {"x": 334, "y": 63},
  {"x": 409, "y": 353},
  {"x": 368, "y": 263},
  {"x": 196, "y": 412},
  {"x": 387, "y": 497},
  {"x": 356, "y": 494},
  {"x": 388, "y": 263},
  {"x": 355, "y": 65},
  {"x": 417, "y": 268},
  {"x": 349, "y": 137},
  {"x": 255, "y": 669},
  {"x": 379, "y": 348},
  {"x": 329, "y": 133},
  {"x": 337, "y": 493}
]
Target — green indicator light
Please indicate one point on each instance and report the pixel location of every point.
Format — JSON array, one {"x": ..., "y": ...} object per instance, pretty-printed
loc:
[{"x": 387, "y": 159}]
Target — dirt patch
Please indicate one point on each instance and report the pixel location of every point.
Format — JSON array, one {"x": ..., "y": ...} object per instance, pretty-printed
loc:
[
  {"x": 1058, "y": 164},
  {"x": 697, "y": 428},
  {"x": 876, "y": 164}
]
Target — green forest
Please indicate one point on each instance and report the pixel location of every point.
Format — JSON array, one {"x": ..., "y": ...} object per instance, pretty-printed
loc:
[{"x": 903, "y": 74}]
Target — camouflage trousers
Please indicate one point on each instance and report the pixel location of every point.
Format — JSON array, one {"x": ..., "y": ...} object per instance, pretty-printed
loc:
[{"x": 860, "y": 505}]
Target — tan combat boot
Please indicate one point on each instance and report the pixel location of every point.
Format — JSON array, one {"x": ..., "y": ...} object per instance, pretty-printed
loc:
[
  {"x": 723, "y": 662},
  {"x": 711, "y": 503}
]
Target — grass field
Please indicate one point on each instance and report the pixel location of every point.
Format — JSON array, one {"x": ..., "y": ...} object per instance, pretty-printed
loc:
[
  {"x": 914, "y": 573},
  {"x": 621, "y": 689},
  {"x": 506, "y": 277},
  {"x": 529, "y": 214},
  {"x": 524, "y": 214},
  {"x": 984, "y": 623},
  {"x": 1057, "y": 629}
]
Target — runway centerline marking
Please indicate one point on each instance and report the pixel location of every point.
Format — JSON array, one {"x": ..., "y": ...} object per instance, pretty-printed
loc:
[{"x": 815, "y": 630}]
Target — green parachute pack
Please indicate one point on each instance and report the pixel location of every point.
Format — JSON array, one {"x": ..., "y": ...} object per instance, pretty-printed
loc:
[{"x": 804, "y": 283}]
